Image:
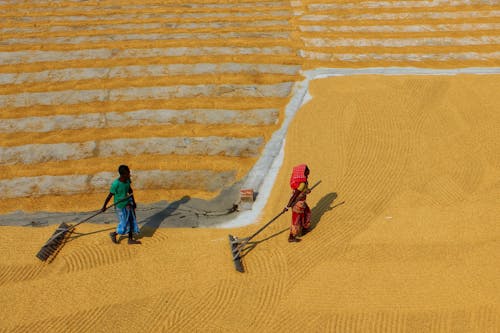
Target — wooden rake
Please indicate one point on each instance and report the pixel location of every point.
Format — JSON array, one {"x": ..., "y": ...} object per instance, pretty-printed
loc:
[
  {"x": 59, "y": 237},
  {"x": 238, "y": 245}
]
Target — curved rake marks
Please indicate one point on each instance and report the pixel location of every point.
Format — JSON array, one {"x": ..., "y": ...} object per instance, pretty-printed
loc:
[
  {"x": 214, "y": 307},
  {"x": 470, "y": 320},
  {"x": 364, "y": 154},
  {"x": 377, "y": 152},
  {"x": 90, "y": 257},
  {"x": 482, "y": 319},
  {"x": 268, "y": 262},
  {"x": 485, "y": 319},
  {"x": 219, "y": 301},
  {"x": 300, "y": 259},
  {"x": 166, "y": 311},
  {"x": 11, "y": 273},
  {"x": 154, "y": 235},
  {"x": 369, "y": 143},
  {"x": 76, "y": 322},
  {"x": 444, "y": 191},
  {"x": 468, "y": 174},
  {"x": 97, "y": 319},
  {"x": 269, "y": 296},
  {"x": 177, "y": 321},
  {"x": 286, "y": 321},
  {"x": 430, "y": 321},
  {"x": 161, "y": 313},
  {"x": 373, "y": 322}
]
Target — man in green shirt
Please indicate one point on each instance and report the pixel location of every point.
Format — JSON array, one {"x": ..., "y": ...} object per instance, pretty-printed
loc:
[{"x": 124, "y": 206}]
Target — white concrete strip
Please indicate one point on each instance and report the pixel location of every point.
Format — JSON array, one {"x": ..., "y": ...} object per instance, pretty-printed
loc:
[
  {"x": 34, "y": 56},
  {"x": 70, "y": 74},
  {"x": 403, "y": 28},
  {"x": 399, "y": 4},
  {"x": 40, "y": 153},
  {"x": 329, "y": 72},
  {"x": 256, "y": 117},
  {"x": 401, "y": 42},
  {"x": 272, "y": 154},
  {"x": 152, "y": 7},
  {"x": 205, "y": 180},
  {"x": 404, "y": 16},
  {"x": 148, "y": 16},
  {"x": 143, "y": 37},
  {"x": 401, "y": 57},
  {"x": 262, "y": 176},
  {"x": 145, "y": 26},
  {"x": 69, "y": 97}
]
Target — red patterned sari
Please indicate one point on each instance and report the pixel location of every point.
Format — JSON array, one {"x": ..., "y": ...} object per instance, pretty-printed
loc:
[
  {"x": 301, "y": 217},
  {"x": 301, "y": 213}
]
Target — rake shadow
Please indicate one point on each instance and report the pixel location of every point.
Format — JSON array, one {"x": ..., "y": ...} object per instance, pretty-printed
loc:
[
  {"x": 76, "y": 235},
  {"x": 252, "y": 245}
]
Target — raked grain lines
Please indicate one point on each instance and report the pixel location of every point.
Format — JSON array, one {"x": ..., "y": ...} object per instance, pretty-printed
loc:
[
  {"x": 269, "y": 295},
  {"x": 18, "y": 273},
  {"x": 218, "y": 301},
  {"x": 85, "y": 71},
  {"x": 168, "y": 310},
  {"x": 75, "y": 322},
  {"x": 85, "y": 258},
  {"x": 103, "y": 317},
  {"x": 88, "y": 66},
  {"x": 476, "y": 319},
  {"x": 395, "y": 33},
  {"x": 377, "y": 150}
]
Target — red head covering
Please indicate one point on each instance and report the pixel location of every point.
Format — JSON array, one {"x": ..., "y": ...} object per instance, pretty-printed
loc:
[{"x": 298, "y": 175}]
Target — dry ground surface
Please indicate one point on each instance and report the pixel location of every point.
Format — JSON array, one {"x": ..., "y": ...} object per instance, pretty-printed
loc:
[
  {"x": 188, "y": 93},
  {"x": 405, "y": 236}
]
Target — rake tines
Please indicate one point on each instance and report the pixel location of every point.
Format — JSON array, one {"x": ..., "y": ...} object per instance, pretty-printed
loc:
[
  {"x": 236, "y": 253},
  {"x": 59, "y": 237},
  {"x": 238, "y": 245},
  {"x": 54, "y": 243}
]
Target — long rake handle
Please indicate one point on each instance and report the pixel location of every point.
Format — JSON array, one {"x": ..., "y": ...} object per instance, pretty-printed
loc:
[
  {"x": 57, "y": 234},
  {"x": 99, "y": 212},
  {"x": 245, "y": 242}
]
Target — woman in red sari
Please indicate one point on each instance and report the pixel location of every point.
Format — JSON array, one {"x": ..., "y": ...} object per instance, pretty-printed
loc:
[{"x": 301, "y": 214}]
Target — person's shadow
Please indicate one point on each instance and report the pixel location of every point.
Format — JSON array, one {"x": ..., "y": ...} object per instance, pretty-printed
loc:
[
  {"x": 324, "y": 205},
  {"x": 152, "y": 223}
]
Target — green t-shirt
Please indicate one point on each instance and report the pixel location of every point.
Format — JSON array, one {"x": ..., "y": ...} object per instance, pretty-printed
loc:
[{"x": 120, "y": 191}]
